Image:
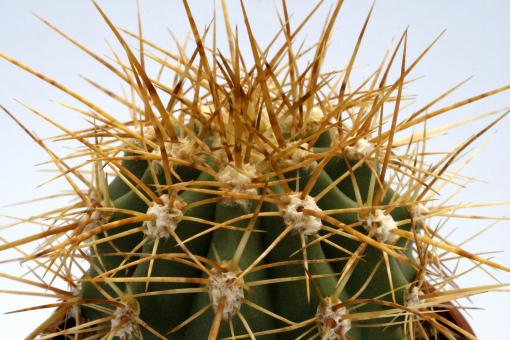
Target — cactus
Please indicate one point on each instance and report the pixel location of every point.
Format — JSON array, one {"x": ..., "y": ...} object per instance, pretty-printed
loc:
[{"x": 265, "y": 201}]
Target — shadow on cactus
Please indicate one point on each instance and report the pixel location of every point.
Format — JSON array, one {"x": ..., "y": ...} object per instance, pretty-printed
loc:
[{"x": 268, "y": 201}]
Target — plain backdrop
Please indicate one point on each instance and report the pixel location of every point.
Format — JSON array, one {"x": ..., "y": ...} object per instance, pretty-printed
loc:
[{"x": 476, "y": 42}]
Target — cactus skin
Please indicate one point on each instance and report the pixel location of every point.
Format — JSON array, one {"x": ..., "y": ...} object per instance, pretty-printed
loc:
[
  {"x": 287, "y": 299},
  {"x": 255, "y": 211}
]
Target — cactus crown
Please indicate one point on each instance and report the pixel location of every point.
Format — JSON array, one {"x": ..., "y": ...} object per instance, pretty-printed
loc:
[{"x": 264, "y": 201}]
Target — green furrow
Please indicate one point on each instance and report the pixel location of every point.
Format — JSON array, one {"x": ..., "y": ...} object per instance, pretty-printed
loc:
[
  {"x": 337, "y": 166},
  {"x": 164, "y": 312},
  {"x": 224, "y": 244},
  {"x": 118, "y": 186},
  {"x": 289, "y": 298},
  {"x": 335, "y": 199},
  {"x": 128, "y": 201}
]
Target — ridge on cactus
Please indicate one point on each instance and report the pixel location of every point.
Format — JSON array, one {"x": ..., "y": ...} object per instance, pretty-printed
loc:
[{"x": 264, "y": 201}]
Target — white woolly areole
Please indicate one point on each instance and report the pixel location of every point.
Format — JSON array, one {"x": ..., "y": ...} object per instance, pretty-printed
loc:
[
  {"x": 238, "y": 181},
  {"x": 124, "y": 322},
  {"x": 419, "y": 210},
  {"x": 225, "y": 285},
  {"x": 361, "y": 149},
  {"x": 330, "y": 319},
  {"x": 298, "y": 155},
  {"x": 148, "y": 133},
  {"x": 413, "y": 297},
  {"x": 293, "y": 214},
  {"x": 382, "y": 224},
  {"x": 314, "y": 117},
  {"x": 166, "y": 217},
  {"x": 95, "y": 219},
  {"x": 183, "y": 150}
]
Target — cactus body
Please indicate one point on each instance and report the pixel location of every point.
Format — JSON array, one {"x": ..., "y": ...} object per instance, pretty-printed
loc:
[{"x": 298, "y": 271}]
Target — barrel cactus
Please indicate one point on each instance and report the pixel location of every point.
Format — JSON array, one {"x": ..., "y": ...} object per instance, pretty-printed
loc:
[{"x": 271, "y": 201}]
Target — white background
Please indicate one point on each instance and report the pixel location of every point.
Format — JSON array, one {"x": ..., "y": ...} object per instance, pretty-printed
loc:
[{"x": 477, "y": 42}]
